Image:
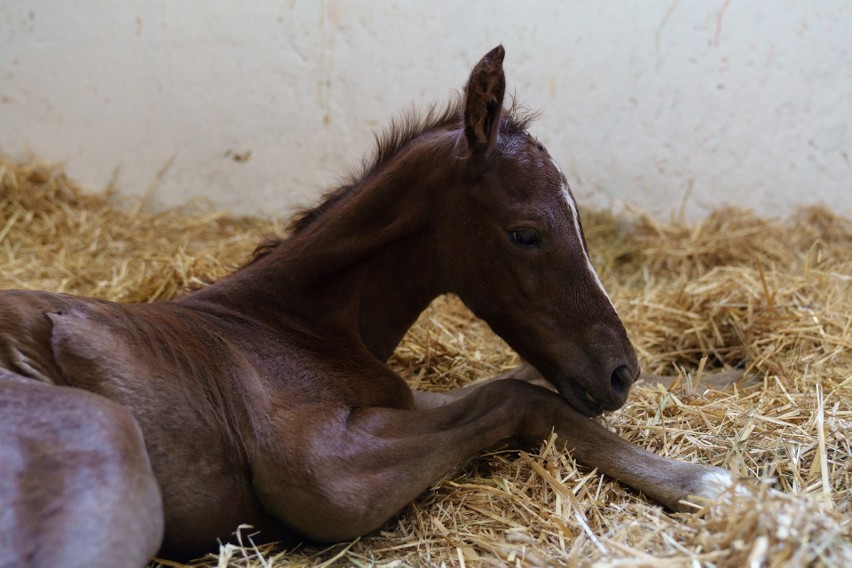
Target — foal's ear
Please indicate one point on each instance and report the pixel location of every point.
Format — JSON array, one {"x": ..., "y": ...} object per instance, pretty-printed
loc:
[{"x": 483, "y": 103}]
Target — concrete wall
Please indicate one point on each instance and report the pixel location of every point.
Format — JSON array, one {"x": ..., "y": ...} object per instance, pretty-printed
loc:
[{"x": 646, "y": 102}]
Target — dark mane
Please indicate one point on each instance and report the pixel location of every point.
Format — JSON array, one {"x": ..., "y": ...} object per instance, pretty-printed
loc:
[{"x": 401, "y": 131}]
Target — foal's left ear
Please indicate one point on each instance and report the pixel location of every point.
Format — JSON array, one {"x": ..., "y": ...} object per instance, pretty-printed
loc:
[{"x": 483, "y": 103}]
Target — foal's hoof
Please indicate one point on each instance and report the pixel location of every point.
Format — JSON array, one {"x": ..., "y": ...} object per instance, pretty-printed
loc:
[
  {"x": 713, "y": 483},
  {"x": 707, "y": 485}
]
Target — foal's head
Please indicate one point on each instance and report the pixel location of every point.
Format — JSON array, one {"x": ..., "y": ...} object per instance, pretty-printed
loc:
[{"x": 518, "y": 258}]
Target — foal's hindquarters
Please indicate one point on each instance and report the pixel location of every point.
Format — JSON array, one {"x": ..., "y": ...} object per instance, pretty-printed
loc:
[
  {"x": 117, "y": 441},
  {"x": 76, "y": 486}
]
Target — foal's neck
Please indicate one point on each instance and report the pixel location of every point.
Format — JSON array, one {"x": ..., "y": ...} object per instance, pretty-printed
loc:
[{"x": 365, "y": 268}]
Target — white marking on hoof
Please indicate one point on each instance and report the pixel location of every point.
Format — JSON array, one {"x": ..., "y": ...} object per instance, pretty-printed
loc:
[
  {"x": 713, "y": 483},
  {"x": 716, "y": 481}
]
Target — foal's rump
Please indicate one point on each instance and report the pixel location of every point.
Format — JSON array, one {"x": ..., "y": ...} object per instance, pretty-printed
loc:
[
  {"x": 162, "y": 367},
  {"x": 76, "y": 486},
  {"x": 73, "y": 465}
]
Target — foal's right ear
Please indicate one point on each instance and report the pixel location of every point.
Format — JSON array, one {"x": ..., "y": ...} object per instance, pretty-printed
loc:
[{"x": 483, "y": 104}]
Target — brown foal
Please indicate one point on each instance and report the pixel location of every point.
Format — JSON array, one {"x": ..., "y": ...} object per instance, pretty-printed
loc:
[{"x": 264, "y": 399}]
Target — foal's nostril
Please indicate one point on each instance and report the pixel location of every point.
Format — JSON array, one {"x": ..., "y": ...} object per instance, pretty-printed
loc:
[{"x": 621, "y": 380}]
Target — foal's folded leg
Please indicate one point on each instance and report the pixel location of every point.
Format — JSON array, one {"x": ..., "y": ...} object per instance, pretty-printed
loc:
[
  {"x": 374, "y": 461},
  {"x": 76, "y": 487}
]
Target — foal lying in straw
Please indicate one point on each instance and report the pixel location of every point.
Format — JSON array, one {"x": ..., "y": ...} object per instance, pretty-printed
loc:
[{"x": 264, "y": 399}]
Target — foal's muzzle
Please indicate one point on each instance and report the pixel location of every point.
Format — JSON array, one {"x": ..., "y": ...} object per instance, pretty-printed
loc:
[
  {"x": 621, "y": 381},
  {"x": 605, "y": 397}
]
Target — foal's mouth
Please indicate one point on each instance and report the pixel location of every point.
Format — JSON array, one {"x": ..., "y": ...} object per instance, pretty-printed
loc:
[{"x": 579, "y": 399}]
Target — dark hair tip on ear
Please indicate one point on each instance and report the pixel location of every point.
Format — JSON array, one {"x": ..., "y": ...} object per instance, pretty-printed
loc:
[{"x": 497, "y": 53}]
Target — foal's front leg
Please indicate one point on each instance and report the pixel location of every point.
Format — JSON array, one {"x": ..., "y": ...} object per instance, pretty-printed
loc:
[{"x": 371, "y": 462}]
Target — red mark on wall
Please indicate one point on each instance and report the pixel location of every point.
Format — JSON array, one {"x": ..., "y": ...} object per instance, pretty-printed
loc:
[{"x": 719, "y": 16}]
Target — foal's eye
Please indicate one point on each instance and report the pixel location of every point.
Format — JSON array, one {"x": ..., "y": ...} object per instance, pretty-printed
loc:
[{"x": 525, "y": 237}]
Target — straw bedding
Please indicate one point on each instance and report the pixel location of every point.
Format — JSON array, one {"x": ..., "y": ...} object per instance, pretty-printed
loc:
[{"x": 735, "y": 290}]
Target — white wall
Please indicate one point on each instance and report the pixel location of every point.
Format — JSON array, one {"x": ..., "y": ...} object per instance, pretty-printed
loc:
[{"x": 745, "y": 102}]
